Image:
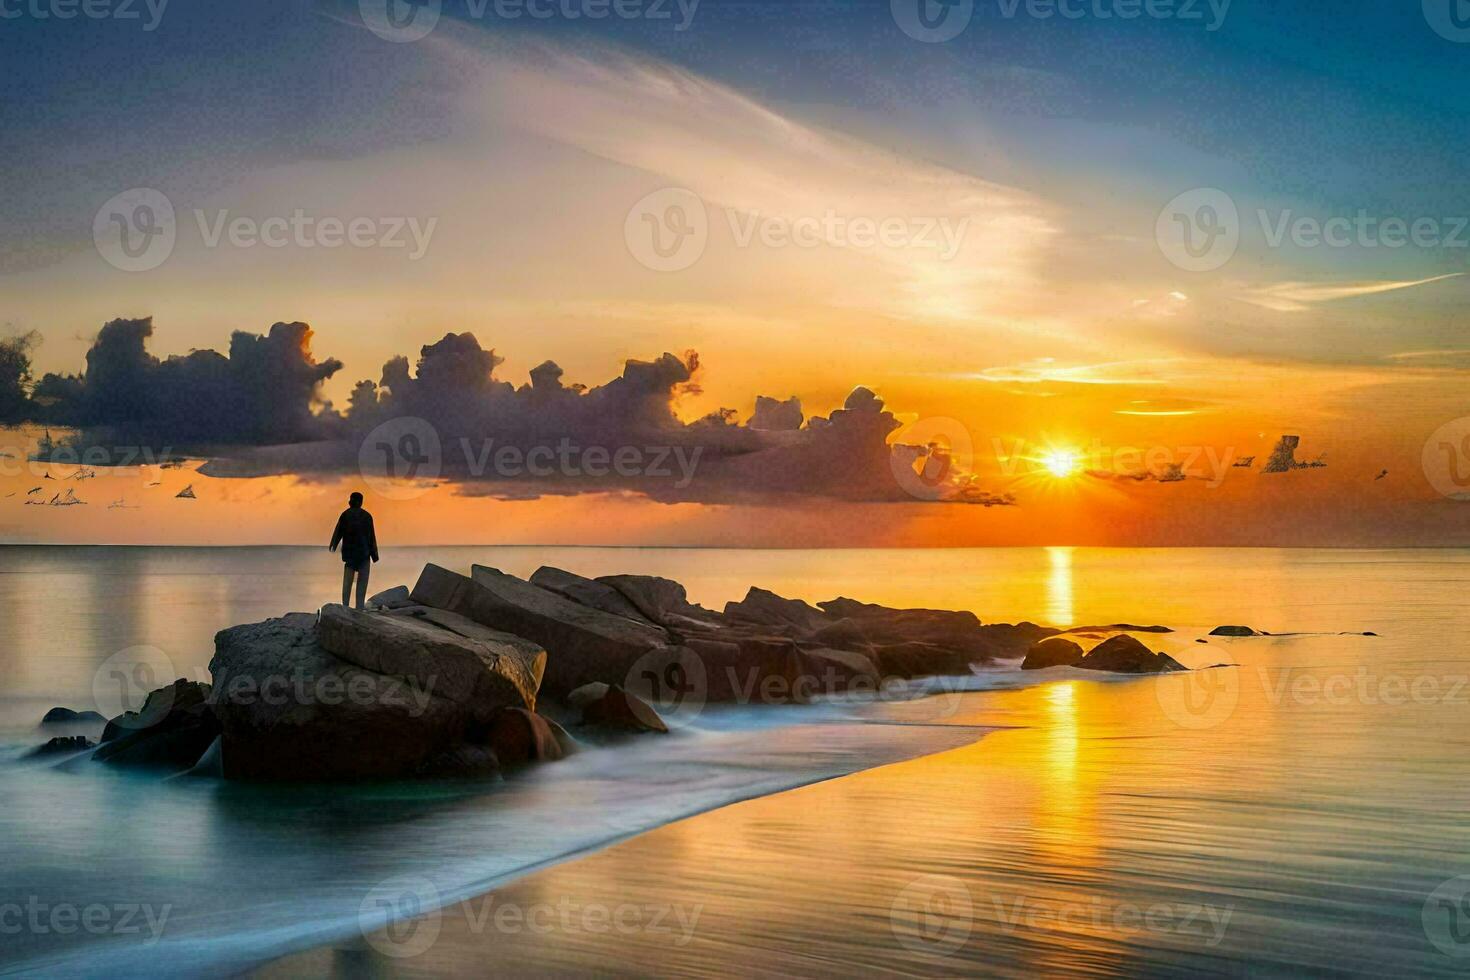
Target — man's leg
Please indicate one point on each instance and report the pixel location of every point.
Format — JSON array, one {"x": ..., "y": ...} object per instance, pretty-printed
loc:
[
  {"x": 362, "y": 580},
  {"x": 346, "y": 582}
]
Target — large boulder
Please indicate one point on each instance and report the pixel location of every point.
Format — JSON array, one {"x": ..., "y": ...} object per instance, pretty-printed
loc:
[
  {"x": 485, "y": 671},
  {"x": 765, "y": 608},
  {"x": 587, "y": 592},
  {"x": 582, "y": 644},
  {"x": 662, "y": 600},
  {"x": 618, "y": 710},
  {"x": 918, "y": 659},
  {"x": 290, "y": 710},
  {"x": 957, "y": 631},
  {"x": 1009, "y": 640},
  {"x": 1124, "y": 654},
  {"x": 843, "y": 634},
  {"x": 171, "y": 731},
  {"x": 1053, "y": 651},
  {"x": 66, "y": 716}
]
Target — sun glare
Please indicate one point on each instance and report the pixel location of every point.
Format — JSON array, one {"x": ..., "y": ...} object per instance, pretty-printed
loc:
[{"x": 1060, "y": 463}]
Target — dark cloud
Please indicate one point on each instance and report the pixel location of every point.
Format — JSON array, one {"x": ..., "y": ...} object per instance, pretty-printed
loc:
[
  {"x": 264, "y": 391},
  {"x": 447, "y": 418}
]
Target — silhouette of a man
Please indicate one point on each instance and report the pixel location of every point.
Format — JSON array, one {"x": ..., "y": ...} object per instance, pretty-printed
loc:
[{"x": 359, "y": 547}]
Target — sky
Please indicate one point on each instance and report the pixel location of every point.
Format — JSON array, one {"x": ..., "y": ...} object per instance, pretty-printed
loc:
[{"x": 1096, "y": 258}]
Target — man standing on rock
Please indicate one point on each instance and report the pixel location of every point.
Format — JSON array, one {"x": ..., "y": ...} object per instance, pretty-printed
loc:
[{"x": 359, "y": 547}]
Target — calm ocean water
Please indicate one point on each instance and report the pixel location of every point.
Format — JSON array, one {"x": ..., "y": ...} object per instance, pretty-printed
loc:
[{"x": 1302, "y": 811}]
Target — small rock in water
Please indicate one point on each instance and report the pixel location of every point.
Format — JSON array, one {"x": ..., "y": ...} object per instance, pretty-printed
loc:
[
  {"x": 1054, "y": 651},
  {"x": 1235, "y": 631},
  {"x": 61, "y": 744},
  {"x": 621, "y": 710}
]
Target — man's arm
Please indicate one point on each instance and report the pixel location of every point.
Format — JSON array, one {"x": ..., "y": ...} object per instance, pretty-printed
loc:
[
  {"x": 336, "y": 536},
  {"x": 372, "y": 536}
]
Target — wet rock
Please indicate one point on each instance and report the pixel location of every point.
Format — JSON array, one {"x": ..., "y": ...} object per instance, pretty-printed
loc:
[
  {"x": 462, "y": 762},
  {"x": 1053, "y": 651},
  {"x": 519, "y": 737},
  {"x": 617, "y": 709},
  {"x": 918, "y": 659},
  {"x": 1124, "y": 654},
  {"x": 171, "y": 731}
]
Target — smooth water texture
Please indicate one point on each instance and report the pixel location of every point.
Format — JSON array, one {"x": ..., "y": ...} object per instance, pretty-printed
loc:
[{"x": 1295, "y": 812}]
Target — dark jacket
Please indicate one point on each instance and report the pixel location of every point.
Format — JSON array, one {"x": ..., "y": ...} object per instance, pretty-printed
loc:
[{"x": 355, "y": 533}]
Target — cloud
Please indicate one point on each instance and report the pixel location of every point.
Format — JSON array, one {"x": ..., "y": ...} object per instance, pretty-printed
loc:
[
  {"x": 448, "y": 419},
  {"x": 1295, "y": 297},
  {"x": 264, "y": 390}
]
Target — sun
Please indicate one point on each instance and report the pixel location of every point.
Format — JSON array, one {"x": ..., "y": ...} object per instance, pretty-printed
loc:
[{"x": 1060, "y": 463}]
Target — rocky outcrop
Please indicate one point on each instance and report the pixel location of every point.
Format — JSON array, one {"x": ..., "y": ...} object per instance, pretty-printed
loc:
[
  {"x": 582, "y": 644},
  {"x": 1053, "y": 651},
  {"x": 290, "y": 710},
  {"x": 919, "y": 659},
  {"x": 663, "y": 601},
  {"x": 1235, "y": 631},
  {"x": 66, "y": 716},
  {"x": 764, "y": 608},
  {"x": 171, "y": 730},
  {"x": 464, "y": 662},
  {"x": 1124, "y": 654},
  {"x": 62, "y": 745},
  {"x": 957, "y": 633},
  {"x": 587, "y": 592}
]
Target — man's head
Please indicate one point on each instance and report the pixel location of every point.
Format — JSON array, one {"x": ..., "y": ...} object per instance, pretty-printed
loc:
[{"x": 355, "y": 500}]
